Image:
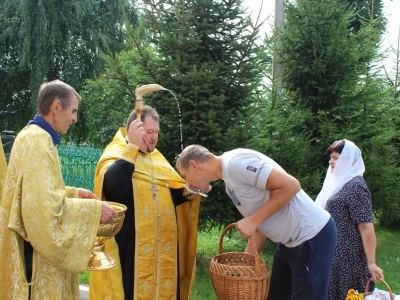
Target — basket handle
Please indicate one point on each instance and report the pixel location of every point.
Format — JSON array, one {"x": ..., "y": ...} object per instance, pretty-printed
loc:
[
  {"x": 387, "y": 286},
  {"x": 257, "y": 257}
]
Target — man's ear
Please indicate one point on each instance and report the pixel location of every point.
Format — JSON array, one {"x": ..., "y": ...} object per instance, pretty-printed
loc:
[
  {"x": 193, "y": 164},
  {"x": 56, "y": 105}
]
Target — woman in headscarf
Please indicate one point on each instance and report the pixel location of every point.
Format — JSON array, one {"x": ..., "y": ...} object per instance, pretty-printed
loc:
[{"x": 345, "y": 195}]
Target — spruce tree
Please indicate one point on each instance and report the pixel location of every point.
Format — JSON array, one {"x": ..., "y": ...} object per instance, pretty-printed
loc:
[
  {"x": 206, "y": 53},
  {"x": 329, "y": 70}
]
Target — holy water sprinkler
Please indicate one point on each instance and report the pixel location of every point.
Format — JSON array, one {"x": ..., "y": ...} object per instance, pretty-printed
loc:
[
  {"x": 144, "y": 90},
  {"x": 147, "y": 89}
]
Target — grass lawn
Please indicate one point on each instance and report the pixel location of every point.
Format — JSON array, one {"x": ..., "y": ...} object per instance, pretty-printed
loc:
[{"x": 388, "y": 258}]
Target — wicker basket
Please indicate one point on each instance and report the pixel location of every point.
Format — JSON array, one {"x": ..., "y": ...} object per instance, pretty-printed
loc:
[
  {"x": 239, "y": 275},
  {"x": 366, "y": 293}
]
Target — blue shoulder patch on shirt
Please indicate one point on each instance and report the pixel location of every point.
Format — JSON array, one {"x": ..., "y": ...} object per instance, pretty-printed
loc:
[{"x": 251, "y": 168}]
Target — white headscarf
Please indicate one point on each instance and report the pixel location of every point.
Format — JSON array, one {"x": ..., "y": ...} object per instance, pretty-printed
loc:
[{"x": 349, "y": 165}]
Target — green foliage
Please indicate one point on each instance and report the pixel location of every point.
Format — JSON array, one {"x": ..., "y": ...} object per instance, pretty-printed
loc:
[
  {"x": 366, "y": 10},
  {"x": 46, "y": 40},
  {"x": 207, "y": 57},
  {"x": 323, "y": 59},
  {"x": 84, "y": 278},
  {"x": 281, "y": 133},
  {"x": 205, "y": 53},
  {"x": 333, "y": 91},
  {"x": 110, "y": 98}
]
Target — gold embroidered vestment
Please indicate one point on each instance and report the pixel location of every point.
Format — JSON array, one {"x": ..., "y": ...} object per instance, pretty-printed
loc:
[
  {"x": 158, "y": 229},
  {"x": 37, "y": 207}
]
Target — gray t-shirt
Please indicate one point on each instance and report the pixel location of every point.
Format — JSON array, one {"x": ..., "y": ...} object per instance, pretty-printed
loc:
[{"x": 245, "y": 173}]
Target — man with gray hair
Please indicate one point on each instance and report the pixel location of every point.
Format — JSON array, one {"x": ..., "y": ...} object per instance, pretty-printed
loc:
[{"x": 47, "y": 229}]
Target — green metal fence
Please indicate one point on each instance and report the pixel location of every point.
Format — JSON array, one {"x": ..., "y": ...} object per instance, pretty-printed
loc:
[{"x": 78, "y": 165}]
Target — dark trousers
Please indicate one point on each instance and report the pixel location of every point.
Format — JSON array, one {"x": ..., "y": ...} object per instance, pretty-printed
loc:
[
  {"x": 28, "y": 253},
  {"x": 302, "y": 272}
]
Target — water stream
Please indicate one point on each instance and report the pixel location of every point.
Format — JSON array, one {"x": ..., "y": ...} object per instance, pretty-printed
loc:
[{"x": 180, "y": 118}]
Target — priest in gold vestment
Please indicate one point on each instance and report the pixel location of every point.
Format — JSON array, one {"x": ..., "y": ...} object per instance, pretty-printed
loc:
[
  {"x": 47, "y": 230},
  {"x": 156, "y": 246}
]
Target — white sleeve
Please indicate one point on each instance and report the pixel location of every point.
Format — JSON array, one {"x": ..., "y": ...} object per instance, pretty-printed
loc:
[{"x": 250, "y": 169}]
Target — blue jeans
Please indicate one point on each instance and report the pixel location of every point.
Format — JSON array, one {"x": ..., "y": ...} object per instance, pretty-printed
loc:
[{"x": 302, "y": 272}]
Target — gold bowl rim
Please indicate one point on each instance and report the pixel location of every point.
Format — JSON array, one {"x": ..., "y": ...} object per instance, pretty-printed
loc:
[{"x": 118, "y": 207}]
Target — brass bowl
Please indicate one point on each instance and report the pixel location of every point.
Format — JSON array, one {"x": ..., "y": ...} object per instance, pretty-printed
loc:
[
  {"x": 99, "y": 259},
  {"x": 111, "y": 229},
  {"x": 118, "y": 207}
]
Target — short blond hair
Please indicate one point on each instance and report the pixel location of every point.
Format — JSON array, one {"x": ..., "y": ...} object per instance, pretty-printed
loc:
[{"x": 193, "y": 152}]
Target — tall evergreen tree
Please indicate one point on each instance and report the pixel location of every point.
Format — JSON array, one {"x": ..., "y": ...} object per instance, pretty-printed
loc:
[
  {"x": 206, "y": 53},
  {"x": 329, "y": 70}
]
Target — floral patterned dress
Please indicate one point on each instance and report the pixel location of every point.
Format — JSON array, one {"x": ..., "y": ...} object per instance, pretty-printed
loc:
[{"x": 349, "y": 207}]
